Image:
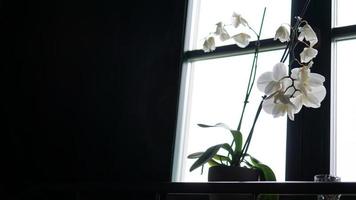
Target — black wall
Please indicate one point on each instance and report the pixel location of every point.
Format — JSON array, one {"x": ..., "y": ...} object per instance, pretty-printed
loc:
[{"x": 89, "y": 89}]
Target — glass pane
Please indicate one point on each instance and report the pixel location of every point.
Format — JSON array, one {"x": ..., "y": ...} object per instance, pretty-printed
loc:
[
  {"x": 345, "y": 12},
  {"x": 207, "y": 13},
  {"x": 345, "y": 110},
  {"x": 217, "y": 93}
]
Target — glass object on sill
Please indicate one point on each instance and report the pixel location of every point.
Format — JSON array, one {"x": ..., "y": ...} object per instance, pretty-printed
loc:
[{"x": 327, "y": 178}]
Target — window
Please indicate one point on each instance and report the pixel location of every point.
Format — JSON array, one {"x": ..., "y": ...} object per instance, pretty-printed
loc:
[
  {"x": 215, "y": 96},
  {"x": 345, "y": 14},
  {"x": 344, "y": 70},
  {"x": 319, "y": 140},
  {"x": 345, "y": 112},
  {"x": 213, "y": 86}
]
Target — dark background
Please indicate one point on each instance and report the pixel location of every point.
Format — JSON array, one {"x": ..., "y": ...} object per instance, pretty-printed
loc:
[
  {"x": 89, "y": 94},
  {"x": 89, "y": 90}
]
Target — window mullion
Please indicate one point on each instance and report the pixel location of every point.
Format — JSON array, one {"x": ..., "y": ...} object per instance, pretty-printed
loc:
[
  {"x": 233, "y": 50},
  {"x": 343, "y": 33},
  {"x": 308, "y": 137}
]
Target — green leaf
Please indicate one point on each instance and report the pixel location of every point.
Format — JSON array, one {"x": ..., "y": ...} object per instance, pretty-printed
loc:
[
  {"x": 221, "y": 159},
  {"x": 212, "y": 163},
  {"x": 206, "y": 156},
  {"x": 205, "y": 126},
  {"x": 238, "y": 140},
  {"x": 195, "y": 155},
  {"x": 266, "y": 172},
  {"x": 222, "y": 125},
  {"x": 235, "y": 133},
  {"x": 248, "y": 164},
  {"x": 254, "y": 160},
  {"x": 237, "y": 136},
  {"x": 228, "y": 148}
]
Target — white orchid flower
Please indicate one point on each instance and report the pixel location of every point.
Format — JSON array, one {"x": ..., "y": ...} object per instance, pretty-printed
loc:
[
  {"x": 304, "y": 76},
  {"x": 310, "y": 64},
  {"x": 270, "y": 82},
  {"x": 219, "y": 28},
  {"x": 238, "y": 20},
  {"x": 224, "y": 36},
  {"x": 221, "y": 32},
  {"x": 280, "y": 104},
  {"x": 310, "y": 86},
  {"x": 313, "y": 98},
  {"x": 307, "y": 33},
  {"x": 308, "y": 54},
  {"x": 282, "y": 34},
  {"x": 242, "y": 39},
  {"x": 209, "y": 44}
]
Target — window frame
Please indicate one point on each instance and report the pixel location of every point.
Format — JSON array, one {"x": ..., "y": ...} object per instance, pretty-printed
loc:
[
  {"x": 310, "y": 149},
  {"x": 308, "y": 145}
]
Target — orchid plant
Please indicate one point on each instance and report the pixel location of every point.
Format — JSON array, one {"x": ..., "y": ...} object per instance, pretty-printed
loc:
[{"x": 288, "y": 87}]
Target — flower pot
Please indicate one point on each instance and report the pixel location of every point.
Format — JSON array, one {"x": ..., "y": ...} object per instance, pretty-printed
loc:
[{"x": 227, "y": 173}]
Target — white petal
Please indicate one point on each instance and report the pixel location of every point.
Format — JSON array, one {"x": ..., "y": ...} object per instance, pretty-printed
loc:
[
  {"x": 219, "y": 28},
  {"x": 307, "y": 33},
  {"x": 316, "y": 79},
  {"x": 310, "y": 64},
  {"x": 209, "y": 44},
  {"x": 242, "y": 39},
  {"x": 298, "y": 103},
  {"x": 224, "y": 35},
  {"x": 264, "y": 80},
  {"x": 282, "y": 34},
  {"x": 272, "y": 87},
  {"x": 311, "y": 101},
  {"x": 304, "y": 75},
  {"x": 310, "y": 35},
  {"x": 279, "y": 110},
  {"x": 284, "y": 99},
  {"x": 308, "y": 54},
  {"x": 319, "y": 93},
  {"x": 271, "y": 106},
  {"x": 222, "y": 125},
  {"x": 314, "y": 98},
  {"x": 301, "y": 35},
  {"x": 279, "y": 71},
  {"x": 290, "y": 114},
  {"x": 237, "y": 20},
  {"x": 293, "y": 108},
  {"x": 268, "y": 105},
  {"x": 286, "y": 84},
  {"x": 298, "y": 85},
  {"x": 221, "y": 32},
  {"x": 295, "y": 73}
]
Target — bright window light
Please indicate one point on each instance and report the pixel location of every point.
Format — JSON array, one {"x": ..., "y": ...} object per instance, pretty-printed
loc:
[
  {"x": 207, "y": 13},
  {"x": 213, "y": 90},
  {"x": 345, "y": 110},
  {"x": 217, "y": 92},
  {"x": 345, "y": 12}
]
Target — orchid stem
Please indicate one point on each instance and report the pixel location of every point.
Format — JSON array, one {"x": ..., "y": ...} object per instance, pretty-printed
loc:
[
  {"x": 250, "y": 84},
  {"x": 252, "y": 77},
  {"x": 248, "y": 140}
]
